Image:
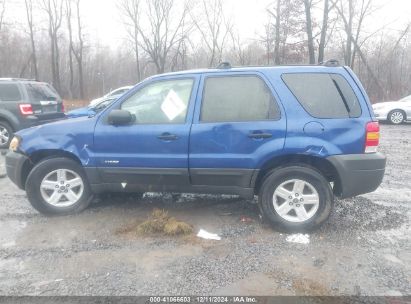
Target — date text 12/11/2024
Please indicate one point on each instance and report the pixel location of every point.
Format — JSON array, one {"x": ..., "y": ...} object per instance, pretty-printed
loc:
[{"x": 203, "y": 299}]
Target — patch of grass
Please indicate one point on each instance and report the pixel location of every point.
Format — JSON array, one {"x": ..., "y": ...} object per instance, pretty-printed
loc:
[
  {"x": 174, "y": 227},
  {"x": 159, "y": 222}
]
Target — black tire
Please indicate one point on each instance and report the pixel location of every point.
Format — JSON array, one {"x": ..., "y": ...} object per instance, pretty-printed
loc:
[
  {"x": 40, "y": 171},
  {"x": 277, "y": 177},
  {"x": 9, "y": 132},
  {"x": 392, "y": 115}
]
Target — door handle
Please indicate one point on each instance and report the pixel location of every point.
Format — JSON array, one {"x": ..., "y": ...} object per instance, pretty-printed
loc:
[
  {"x": 167, "y": 136},
  {"x": 260, "y": 135}
]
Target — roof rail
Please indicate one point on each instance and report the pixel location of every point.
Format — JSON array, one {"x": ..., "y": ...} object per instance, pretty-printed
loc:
[
  {"x": 224, "y": 65},
  {"x": 331, "y": 63}
]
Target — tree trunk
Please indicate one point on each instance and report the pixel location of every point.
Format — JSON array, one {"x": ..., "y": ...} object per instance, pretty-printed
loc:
[
  {"x": 310, "y": 41},
  {"x": 70, "y": 49},
  {"x": 277, "y": 34},
  {"x": 349, "y": 25},
  {"x": 321, "y": 47}
]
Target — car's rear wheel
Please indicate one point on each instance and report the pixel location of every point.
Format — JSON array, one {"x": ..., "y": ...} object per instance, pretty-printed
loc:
[
  {"x": 396, "y": 117},
  {"x": 6, "y": 134},
  {"x": 296, "y": 198},
  {"x": 58, "y": 186}
]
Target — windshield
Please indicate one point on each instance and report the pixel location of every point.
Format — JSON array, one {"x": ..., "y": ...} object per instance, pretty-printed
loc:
[
  {"x": 406, "y": 98},
  {"x": 103, "y": 104},
  {"x": 41, "y": 92}
]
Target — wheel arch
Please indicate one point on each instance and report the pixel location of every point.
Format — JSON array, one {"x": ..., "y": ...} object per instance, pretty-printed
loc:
[
  {"x": 40, "y": 155},
  {"x": 9, "y": 119},
  {"x": 321, "y": 165}
]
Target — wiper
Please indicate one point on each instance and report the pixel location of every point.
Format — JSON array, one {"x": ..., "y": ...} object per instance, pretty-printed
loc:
[{"x": 342, "y": 97}]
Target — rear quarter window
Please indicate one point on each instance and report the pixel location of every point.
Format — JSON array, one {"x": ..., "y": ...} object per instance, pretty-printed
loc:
[
  {"x": 9, "y": 92},
  {"x": 324, "y": 95}
]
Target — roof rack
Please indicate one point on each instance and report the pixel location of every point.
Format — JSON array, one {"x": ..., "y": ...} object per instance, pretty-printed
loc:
[
  {"x": 224, "y": 65},
  {"x": 331, "y": 63}
]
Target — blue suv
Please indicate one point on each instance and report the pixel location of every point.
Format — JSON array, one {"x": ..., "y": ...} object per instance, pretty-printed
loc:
[{"x": 296, "y": 136}]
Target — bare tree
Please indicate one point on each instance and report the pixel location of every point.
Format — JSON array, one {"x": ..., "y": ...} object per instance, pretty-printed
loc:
[
  {"x": 267, "y": 40},
  {"x": 54, "y": 11},
  {"x": 214, "y": 30},
  {"x": 324, "y": 29},
  {"x": 79, "y": 53},
  {"x": 70, "y": 48},
  {"x": 75, "y": 48},
  {"x": 277, "y": 24},
  {"x": 2, "y": 12},
  {"x": 162, "y": 34},
  {"x": 309, "y": 29},
  {"x": 351, "y": 13},
  {"x": 131, "y": 10},
  {"x": 30, "y": 23}
]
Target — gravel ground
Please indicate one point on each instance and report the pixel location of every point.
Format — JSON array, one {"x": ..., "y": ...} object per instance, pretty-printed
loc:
[{"x": 363, "y": 249}]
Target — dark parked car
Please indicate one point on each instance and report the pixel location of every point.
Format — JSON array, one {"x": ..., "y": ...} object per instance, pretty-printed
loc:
[
  {"x": 25, "y": 103},
  {"x": 296, "y": 136}
]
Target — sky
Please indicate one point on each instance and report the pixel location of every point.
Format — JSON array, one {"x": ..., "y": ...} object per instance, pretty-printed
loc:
[
  {"x": 103, "y": 22},
  {"x": 248, "y": 15}
]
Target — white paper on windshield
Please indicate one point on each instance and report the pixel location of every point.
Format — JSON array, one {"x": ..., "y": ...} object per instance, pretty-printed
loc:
[{"x": 172, "y": 105}]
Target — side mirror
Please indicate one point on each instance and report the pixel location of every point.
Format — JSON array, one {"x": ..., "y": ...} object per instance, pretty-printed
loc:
[{"x": 120, "y": 117}]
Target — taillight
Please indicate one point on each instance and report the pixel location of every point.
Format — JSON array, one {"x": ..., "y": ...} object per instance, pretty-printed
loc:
[
  {"x": 62, "y": 107},
  {"x": 372, "y": 137},
  {"x": 26, "y": 109}
]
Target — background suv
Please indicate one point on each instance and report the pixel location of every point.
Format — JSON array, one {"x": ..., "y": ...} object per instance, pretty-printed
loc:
[
  {"x": 296, "y": 136},
  {"x": 25, "y": 103}
]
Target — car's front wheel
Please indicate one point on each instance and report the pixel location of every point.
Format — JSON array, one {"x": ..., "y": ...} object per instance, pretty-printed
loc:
[
  {"x": 296, "y": 198},
  {"x": 396, "y": 117},
  {"x": 58, "y": 186}
]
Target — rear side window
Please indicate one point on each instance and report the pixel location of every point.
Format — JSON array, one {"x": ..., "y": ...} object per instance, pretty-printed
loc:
[
  {"x": 237, "y": 98},
  {"x": 324, "y": 95},
  {"x": 41, "y": 92},
  {"x": 9, "y": 92}
]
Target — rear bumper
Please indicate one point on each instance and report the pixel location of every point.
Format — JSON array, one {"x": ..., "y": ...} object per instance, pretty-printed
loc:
[
  {"x": 14, "y": 167},
  {"x": 358, "y": 173}
]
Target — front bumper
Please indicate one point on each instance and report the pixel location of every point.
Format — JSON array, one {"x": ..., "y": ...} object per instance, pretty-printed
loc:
[
  {"x": 358, "y": 173},
  {"x": 381, "y": 114},
  {"x": 14, "y": 167}
]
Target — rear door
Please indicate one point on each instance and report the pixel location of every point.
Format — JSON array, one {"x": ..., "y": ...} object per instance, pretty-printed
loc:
[{"x": 238, "y": 125}]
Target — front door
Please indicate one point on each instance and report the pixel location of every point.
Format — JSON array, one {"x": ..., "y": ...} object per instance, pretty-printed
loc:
[
  {"x": 153, "y": 150},
  {"x": 237, "y": 126}
]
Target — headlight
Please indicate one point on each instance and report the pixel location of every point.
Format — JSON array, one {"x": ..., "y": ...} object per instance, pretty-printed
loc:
[{"x": 15, "y": 144}]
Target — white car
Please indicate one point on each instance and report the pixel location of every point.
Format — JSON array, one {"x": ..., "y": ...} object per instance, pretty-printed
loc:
[
  {"x": 113, "y": 94},
  {"x": 396, "y": 112}
]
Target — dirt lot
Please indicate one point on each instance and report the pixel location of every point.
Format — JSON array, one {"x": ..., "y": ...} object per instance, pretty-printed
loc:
[{"x": 364, "y": 249}]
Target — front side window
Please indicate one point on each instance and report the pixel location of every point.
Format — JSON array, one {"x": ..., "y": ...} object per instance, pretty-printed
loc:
[
  {"x": 161, "y": 102},
  {"x": 9, "y": 92},
  {"x": 324, "y": 95},
  {"x": 236, "y": 99}
]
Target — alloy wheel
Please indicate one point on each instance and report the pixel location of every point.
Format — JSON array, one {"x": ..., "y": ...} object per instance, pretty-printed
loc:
[
  {"x": 296, "y": 200},
  {"x": 397, "y": 117},
  {"x": 62, "y": 188},
  {"x": 4, "y": 135}
]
